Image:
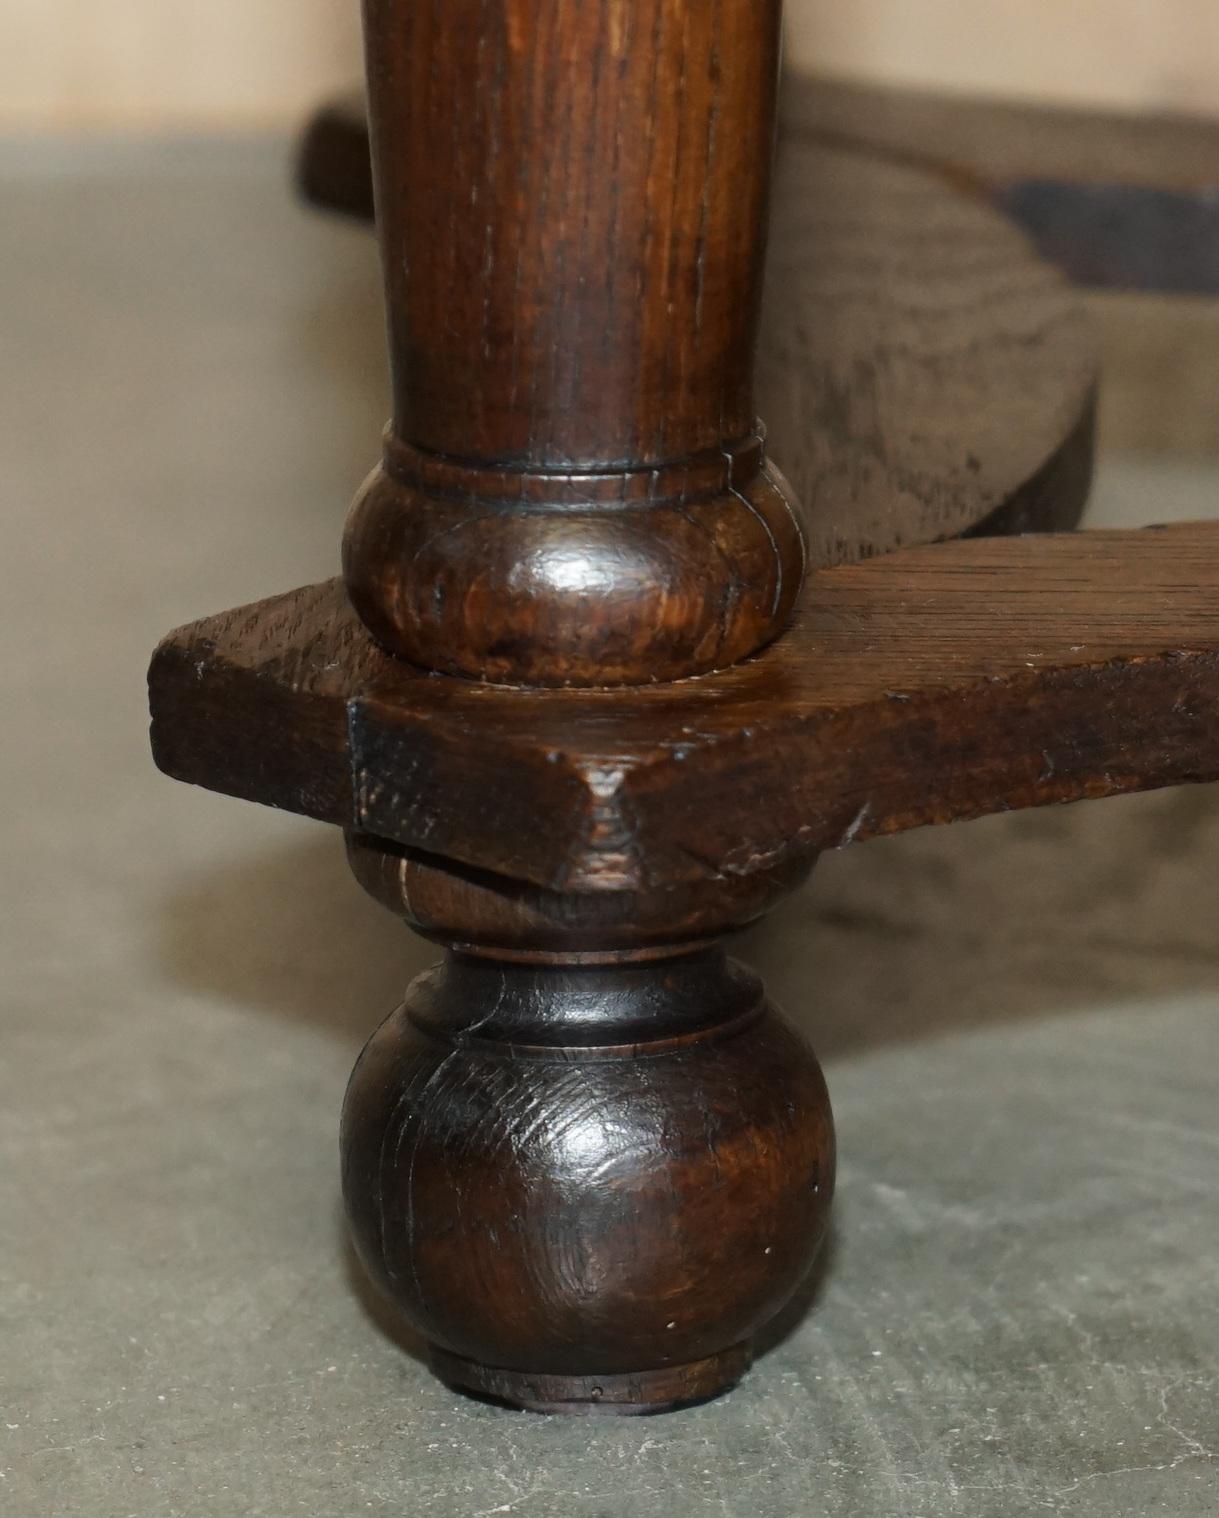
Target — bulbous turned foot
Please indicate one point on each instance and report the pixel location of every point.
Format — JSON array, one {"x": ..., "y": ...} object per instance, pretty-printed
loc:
[
  {"x": 574, "y": 579},
  {"x": 588, "y": 1186}
]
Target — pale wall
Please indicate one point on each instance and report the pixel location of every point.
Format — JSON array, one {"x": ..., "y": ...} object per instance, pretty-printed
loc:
[
  {"x": 157, "y": 63},
  {"x": 233, "y": 63},
  {"x": 1139, "y": 53}
]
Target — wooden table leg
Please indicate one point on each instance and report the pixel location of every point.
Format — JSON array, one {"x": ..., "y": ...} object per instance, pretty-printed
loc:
[
  {"x": 586, "y": 1159},
  {"x": 559, "y": 703},
  {"x": 587, "y": 1174}
]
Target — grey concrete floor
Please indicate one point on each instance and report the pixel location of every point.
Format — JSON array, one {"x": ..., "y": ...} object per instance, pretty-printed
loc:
[{"x": 1020, "y": 1308}]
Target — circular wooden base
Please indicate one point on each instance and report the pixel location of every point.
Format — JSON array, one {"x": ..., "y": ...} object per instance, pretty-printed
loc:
[{"x": 640, "y": 1394}]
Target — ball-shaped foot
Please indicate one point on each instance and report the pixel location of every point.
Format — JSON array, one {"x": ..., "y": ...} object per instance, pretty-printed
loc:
[{"x": 588, "y": 1187}]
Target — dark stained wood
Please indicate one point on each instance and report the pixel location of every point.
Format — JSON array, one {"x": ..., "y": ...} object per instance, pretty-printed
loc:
[
  {"x": 932, "y": 684},
  {"x": 663, "y": 1390},
  {"x": 574, "y": 488},
  {"x": 588, "y": 1185},
  {"x": 586, "y": 1158},
  {"x": 921, "y": 375},
  {"x": 479, "y": 910},
  {"x": 1119, "y": 201},
  {"x": 573, "y": 210}
]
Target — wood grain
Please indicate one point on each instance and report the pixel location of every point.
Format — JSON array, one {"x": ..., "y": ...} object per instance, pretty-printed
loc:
[
  {"x": 1117, "y": 201},
  {"x": 932, "y": 684},
  {"x": 588, "y": 1186},
  {"x": 571, "y": 210},
  {"x": 574, "y": 488},
  {"x": 586, "y": 1158},
  {"x": 921, "y": 374}
]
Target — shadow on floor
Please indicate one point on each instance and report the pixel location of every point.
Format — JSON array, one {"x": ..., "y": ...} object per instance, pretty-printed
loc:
[{"x": 289, "y": 932}]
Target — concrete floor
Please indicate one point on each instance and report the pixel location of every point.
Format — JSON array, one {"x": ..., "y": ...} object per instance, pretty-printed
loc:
[{"x": 1020, "y": 1309}]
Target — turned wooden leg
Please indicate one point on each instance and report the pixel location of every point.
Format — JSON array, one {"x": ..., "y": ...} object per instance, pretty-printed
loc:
[
  {"x": 575, "y": 489},
  {"x": 585, "y": 1158},
  {"x": 559, "y": 701},
  {"x": 587, "y": 1177}
]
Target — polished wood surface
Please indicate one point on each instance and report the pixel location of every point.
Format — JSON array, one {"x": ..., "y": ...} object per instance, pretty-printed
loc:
[
  {"x": 588, "y": 1184},
  {"x": 920, "y": 373},
  {"x": 575, "y": 488},
  {"x": 585, "y": 1158},
  {"x": 927, "y": 685},
  {"x": 560, "y": 705},
  {"x": 1119, "y": 201}
]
